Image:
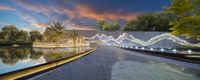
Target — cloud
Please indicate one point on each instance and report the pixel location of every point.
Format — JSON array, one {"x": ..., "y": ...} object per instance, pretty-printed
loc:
[
  {"x": 32, "y": 21},
  {"x": 80, "y": 27},
  {"x": 26, "y": 29},
  {"x": 82, "y": 15},
  {"x": 34, "y": 7},
  {"x": 41, "y": 25},
  {"x": 86, "y": 11},
  {"x": 73, "y": 26},
  {"x": 5, "y": 7},
  {"x": 26, "y": 16}
]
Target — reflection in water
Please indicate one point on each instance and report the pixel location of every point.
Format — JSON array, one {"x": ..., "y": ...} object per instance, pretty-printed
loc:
[
  {"x": 128, "y": 70},
  {"x": 13, "y": 55},
  {"x": 18, "y": 58},
  {"x": 59, "y": 53}
]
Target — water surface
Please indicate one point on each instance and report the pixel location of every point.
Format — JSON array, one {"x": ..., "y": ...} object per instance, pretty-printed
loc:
[
  {"x": 111, "y": 63},
  {"x": 12, "y": 59}
]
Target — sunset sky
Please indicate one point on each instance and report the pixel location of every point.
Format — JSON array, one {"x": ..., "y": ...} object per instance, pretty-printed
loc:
[{"x": 75, "y": 14}]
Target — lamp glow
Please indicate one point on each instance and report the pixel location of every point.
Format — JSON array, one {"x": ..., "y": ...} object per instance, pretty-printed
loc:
[
  {"x": 143, "y": 48},
  {"x": 151, "y": 49},
  {"x": 162, "y": 49},
  {"x": 174, "y": 50},
  {"x": 189, "y": 51}
]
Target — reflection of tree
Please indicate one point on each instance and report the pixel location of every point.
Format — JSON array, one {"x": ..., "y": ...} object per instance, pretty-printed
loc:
[
  {"x": 35, "y": 55},
  {"x": 7, "y": 57},
  {"x": 13, "y": 55},
  {"x": 21, "y": 53},
  {"x": 57, "y": 55},
  {"x": 53, "y": 56}
]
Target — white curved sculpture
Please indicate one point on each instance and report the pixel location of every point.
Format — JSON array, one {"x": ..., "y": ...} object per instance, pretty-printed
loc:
[{"x": 125, "y": 36}]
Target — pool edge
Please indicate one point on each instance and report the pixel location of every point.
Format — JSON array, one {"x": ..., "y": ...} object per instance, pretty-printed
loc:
[{"x": 40, "y": 68}]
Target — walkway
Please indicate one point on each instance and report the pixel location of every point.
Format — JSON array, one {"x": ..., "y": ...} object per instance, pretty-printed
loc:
[{"x": 110, "y": 63}]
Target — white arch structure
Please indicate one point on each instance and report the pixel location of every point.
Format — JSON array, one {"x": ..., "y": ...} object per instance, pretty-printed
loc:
[{"x": 151, "y": 41}]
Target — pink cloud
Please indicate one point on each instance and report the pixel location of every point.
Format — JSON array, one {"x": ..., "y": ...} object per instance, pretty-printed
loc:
[
  {"x": 73, "y": 26},
  {"x": 31, "y": 19},
  {"x": 4, "y": 7},
  {"x": 45, "y": 10}
]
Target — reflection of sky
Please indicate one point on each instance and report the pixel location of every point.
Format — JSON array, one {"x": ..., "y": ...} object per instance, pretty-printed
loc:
[
  {"x": 130, "y": 70},
  {"x": 31, "y": 62},
  {"x": 19, "y": 65}
]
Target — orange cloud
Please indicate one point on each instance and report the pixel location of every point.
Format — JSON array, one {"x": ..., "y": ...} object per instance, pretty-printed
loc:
[
  {"x": 81, "y": 11},
  {"x": 80, "y": 27},
  {"x": 72, "y": 26},
  {"x": 78, "y": 11},
  {"x": 85, "y": 11},
  {"x": 70, "y": 13},
  {"x": 4, "y": 7}
]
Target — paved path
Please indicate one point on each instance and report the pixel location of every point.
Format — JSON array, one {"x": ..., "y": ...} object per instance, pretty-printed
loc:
[{"x": 110, "y": 63}]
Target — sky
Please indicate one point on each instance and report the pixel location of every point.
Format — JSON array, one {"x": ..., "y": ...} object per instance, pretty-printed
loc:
[{"x": 75, "y": 14}]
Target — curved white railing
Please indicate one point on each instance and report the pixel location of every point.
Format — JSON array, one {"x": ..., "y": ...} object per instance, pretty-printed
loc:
[{"x": 151, "y": 41}]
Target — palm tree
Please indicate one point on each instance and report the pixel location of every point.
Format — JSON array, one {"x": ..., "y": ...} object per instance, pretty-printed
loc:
[
  {"x": 74, "y": 37},
  {"x": 55, "y": 32}
]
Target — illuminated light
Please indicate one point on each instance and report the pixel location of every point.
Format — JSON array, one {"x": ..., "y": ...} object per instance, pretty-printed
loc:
[
  {"x": 131, "y": 47},
  {"x": 151, "y": 49},
  {"x": 189, "y": 51},
  {"x": 136, "y": 47},
  {"x": 151, "y": 41},
  {"x": 143, "y": 48},
  {"x": 174, "y": 50},
  {"x": 161, "y": 49}
]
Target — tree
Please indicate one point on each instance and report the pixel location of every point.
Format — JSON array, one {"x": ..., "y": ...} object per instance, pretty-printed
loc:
[
  {"x": 35, "y": 36},
  {"x": 22, "y": 36},
  {"x": 1, "y": 37},
  {"x": 149, "y": 22},
  {"x": 188, "y": 21},
  {"x": 180, "y": 8},
  {"x": 100, "y": 24},
  {"x": 74, "y": 35},
  {"x": 55, "y": 32},
  {"x": 9, "y": 33},
  {"x": 130, "y": 25},
  {"x": 112, "y": 26},
  {"x": 196, "y": 7}
]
